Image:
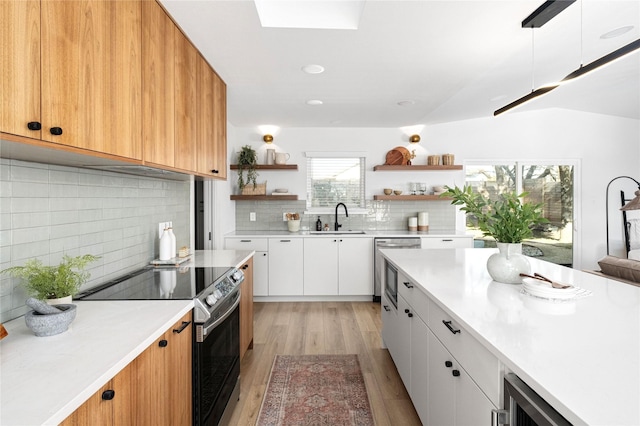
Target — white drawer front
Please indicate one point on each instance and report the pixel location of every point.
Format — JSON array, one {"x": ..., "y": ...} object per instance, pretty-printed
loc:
[
  {"x": 481, "y": 364},
  {"x": 447, "y": 242},
  {"x": 256, "y": 244},
  {"x": 414, "y": 296}
]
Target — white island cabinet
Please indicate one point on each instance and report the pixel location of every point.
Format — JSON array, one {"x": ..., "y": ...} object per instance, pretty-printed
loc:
[{"x": 581, "y": 356}]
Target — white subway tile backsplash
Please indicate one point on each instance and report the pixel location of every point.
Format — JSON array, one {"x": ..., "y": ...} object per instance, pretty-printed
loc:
[{"x": 47, "y": 211}]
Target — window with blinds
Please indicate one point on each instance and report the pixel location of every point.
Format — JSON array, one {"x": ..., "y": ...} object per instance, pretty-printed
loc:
[{"x": 332, "y": 180}]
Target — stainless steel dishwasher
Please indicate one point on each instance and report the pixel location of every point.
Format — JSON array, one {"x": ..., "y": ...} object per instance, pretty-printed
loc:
[{"x": 378, "y": 259}]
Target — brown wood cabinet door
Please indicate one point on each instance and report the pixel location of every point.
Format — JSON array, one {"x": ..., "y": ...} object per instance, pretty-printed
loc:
[
  {"x": 91, "y": 79},
  {"x": 179, "y": 362},
  {"x": 220, "y": 126},
  {"x": 186, "y": 105},
  {"x": 246, "y": 308},
  {"x": 20, "y": 66},
  {"x": 158, "y": 57},
  {"x": 205, "y": 133}
]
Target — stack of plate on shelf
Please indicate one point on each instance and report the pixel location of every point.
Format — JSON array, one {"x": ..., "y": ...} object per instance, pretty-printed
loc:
[
  {"x": 544, "y": 290},
  {"x": 280, "y": 191}
]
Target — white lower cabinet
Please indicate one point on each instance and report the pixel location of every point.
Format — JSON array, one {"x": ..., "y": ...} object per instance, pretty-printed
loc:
[
  {"x": 260, "y": 260},
  {"x": 338, "y": 266},
  {"x": 286, "y": 261},
  {"x": 453, "y": 397},
  {"x": 440, "y": 385}
]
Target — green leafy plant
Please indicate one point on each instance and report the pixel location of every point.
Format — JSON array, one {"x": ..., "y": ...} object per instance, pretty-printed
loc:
[
  {"x": 52, "y": 282},
  {"x": 247, "y": 160},
  {"x": 507, "y": 219}
]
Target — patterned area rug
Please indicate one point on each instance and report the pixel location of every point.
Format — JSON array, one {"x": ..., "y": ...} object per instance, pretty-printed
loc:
[{"x": 305, "y": 390}]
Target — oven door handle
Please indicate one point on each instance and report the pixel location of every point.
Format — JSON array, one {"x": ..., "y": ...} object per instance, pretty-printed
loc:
[{"x": 208, "y": 328}]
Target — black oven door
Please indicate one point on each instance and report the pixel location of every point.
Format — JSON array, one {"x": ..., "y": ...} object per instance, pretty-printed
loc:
[
  {"x": 216, "y": 356},
  {"x": 391, "y": 283}
]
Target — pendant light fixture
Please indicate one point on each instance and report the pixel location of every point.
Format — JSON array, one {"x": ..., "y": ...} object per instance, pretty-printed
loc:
[{"x": 541, "y": 16}]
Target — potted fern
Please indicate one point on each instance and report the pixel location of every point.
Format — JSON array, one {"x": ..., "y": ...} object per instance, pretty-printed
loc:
[
  {"x": 509, "y": 221},
  {"x": 53, "y": 284},
  {"x": 247, "y": 160}
]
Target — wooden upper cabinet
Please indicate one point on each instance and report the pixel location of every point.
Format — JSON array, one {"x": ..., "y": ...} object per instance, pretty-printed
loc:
[
  {"x": 91, "y": 80},
  {"x": 158, "y": 53},
  {"x": 220, "y": 125},
  {"x": 185, "y": 107},
  {"x": 20, "y": 66}
]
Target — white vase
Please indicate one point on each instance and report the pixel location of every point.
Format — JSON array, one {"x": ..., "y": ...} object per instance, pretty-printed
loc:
[
  {"x": 165, "y": 246},
  {"x": 507, "y": 265},
  {"x": 60, "y": 301}
]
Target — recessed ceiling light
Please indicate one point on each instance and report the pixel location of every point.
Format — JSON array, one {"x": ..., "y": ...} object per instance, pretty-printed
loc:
[
  {"x": 314, "y": 102},
  {"x": 617, "y": 32},
  {"x": 313, "y": 69},
  {"x": 407, "y": 102}
]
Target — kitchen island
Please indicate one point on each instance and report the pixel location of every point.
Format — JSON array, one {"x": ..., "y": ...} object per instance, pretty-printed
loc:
[{"x": 582, "y": 356}]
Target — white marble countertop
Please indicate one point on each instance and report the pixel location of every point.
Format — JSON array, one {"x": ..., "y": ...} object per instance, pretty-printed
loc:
[
  {"x": 45, "y": 379},
  {"x": 582, "y": 357},
  {"x": 367, "y": 233}
]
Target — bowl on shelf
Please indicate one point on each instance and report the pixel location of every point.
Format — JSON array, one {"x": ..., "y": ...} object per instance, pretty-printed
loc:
[
  {"x": 397, "y": 192},
  {"x": 387, "y": 191},
  {"x": 281, "y": 190}
]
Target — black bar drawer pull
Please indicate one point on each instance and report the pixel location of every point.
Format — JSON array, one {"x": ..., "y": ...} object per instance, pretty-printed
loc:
[
  {"x": 182, "y": 327},
  {"x": 447, "y": 240},
  {"x": 285, "y": 241},
  {"x": 407, "y": 284},
  {"x": 386, "y": 308},
  {"x": 450, "y": 327},
  {"x": 245, "y": 241}
]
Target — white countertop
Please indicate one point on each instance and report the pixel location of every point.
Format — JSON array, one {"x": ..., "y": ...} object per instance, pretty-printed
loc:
[
  {"x": 367, "y": 233},
  {"x": 45, "y": 379},
  {"x": 582, "y": 357}
]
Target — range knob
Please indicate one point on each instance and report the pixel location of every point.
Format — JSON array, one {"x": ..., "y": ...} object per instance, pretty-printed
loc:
[
  {"x": 211, "y": 299},
  {"x": 217, "y": 294}
]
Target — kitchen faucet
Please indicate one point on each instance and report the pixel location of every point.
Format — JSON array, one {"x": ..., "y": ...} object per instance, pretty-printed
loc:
[{"x": 336, "y": 225}]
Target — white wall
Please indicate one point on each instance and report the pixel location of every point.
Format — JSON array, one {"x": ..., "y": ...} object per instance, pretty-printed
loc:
[{"x": 606, "y": 147}]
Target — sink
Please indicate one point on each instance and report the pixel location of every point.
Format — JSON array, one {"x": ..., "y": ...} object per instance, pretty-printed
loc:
[{"x": 337, "y": 232}]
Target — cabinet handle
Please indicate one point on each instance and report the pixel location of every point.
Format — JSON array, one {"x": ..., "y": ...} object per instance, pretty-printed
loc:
[
  {"x": 410, "y": 315},
  {"x": 244, "y": 267},
  {"x": 386, "y": 308},
  {"x": 456, "y": 373},
  {"x": 448, "y": 364},
  {"x": 335, "y": 241},
  {"x": 499, "y": 417},
  {"x": 264, "y": 254},
  {"x": 34, "y": 125},
  {"x": 447, "y": 240},
  {"x": 407, "y": 284},
  {"x": 245, "y": 241},
  {"x": 215, "y": 171},
  {"x": 57, "y": 131},
  {"x": 184, "y": 325},
  {"x": 285, "y": 241},
  {"x": 406, "y": 311},
  {"x": 163, "y": 343},
  {"x": 340, "y": 240},
  {"x": 450, "y": 327},
  {"x": 108, "y": 395}
]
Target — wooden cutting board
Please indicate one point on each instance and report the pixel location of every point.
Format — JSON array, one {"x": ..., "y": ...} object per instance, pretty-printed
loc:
[{"x": 398, "y": 156}]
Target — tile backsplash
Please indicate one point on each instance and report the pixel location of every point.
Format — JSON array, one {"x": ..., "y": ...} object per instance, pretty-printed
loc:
[
  {"x": 380, "y": 216},
  {"x": 47, "y": 211}
]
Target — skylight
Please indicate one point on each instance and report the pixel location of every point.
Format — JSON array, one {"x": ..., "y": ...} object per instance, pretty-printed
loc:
[{"x": 313, "y": 14}]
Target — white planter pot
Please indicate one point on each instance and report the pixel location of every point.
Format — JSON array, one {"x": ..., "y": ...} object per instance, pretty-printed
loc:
[
  {"x": 60, "y": 301},
  {"x": 507, "y": 265}
]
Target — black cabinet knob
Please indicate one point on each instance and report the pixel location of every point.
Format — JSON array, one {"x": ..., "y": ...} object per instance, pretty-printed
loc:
[
  {"x": 448, "y": 364},
  {"x": 455, "y": 373},
  {"x": 386, "y": 308},
  {"x": 34, "y": 125},
  {"x": 163, "y": 343},
  {"x": 407, "y": 284},
  {"x": 57, "y": 131},
  {"x": 215, "y": 171},
  {"x": 410, "y": 315},
  {"x": 108, "y": 395},
  {"x": 245, "y": 266},
  {"x": 406, "y": 311}
]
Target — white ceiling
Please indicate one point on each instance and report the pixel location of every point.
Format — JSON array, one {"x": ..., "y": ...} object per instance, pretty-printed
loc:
[{"x": 456, "y": 59}]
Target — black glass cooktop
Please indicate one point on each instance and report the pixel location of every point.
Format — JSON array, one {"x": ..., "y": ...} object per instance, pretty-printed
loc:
[{"x": 157, "y": 283}]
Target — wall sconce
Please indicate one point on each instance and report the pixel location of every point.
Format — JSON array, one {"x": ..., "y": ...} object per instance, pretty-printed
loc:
[
  {"x": 414, "y": 138},
  {"x": 267, "y": 138}
]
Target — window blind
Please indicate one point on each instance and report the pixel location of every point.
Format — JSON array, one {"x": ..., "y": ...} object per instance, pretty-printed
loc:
[{"x": 332, "y": 180}]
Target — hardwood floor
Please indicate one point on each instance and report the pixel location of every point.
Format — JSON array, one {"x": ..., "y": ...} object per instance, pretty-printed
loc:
[{"x": 297, "y": 328}]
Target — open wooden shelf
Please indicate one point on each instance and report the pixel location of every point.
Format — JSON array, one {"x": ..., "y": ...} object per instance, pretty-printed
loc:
[
  {"x": 386, "y": 168},
  {"x": 289, "y": 197},
  {"x": 411, "y": 198},
  {"x": 271, "y": 167}
]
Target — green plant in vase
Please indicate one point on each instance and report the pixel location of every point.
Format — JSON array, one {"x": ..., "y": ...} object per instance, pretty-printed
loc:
[
  {"x": 247, "y": 160},
  {"x": 53, "y": 282}
]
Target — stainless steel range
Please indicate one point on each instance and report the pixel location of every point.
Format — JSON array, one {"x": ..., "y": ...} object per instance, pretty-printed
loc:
[{"x": 216, "y": 340}]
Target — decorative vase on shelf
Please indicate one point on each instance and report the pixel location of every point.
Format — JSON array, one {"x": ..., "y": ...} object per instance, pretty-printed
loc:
[{"x": 507, "y": 265}]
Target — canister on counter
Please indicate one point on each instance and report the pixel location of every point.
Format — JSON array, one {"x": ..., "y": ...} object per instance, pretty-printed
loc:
[
  {"x": 423, "y": 221},
  {"x": 413, "y": 224}
]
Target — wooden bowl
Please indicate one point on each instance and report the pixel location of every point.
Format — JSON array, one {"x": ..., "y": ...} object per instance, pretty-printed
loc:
[
  {"x": 397, "y": 192},
  {"x": 387, "y": 191}
]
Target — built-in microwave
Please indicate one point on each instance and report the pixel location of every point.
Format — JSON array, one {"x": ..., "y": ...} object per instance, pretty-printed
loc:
[
  {"x": 391, "y": 283},
  {"x": 524, "y": 407}
]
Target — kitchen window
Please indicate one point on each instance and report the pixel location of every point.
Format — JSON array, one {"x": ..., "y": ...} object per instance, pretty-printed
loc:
[
  {"x": 550, "y": 183},
  {"x": 334, "y": 178}
]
